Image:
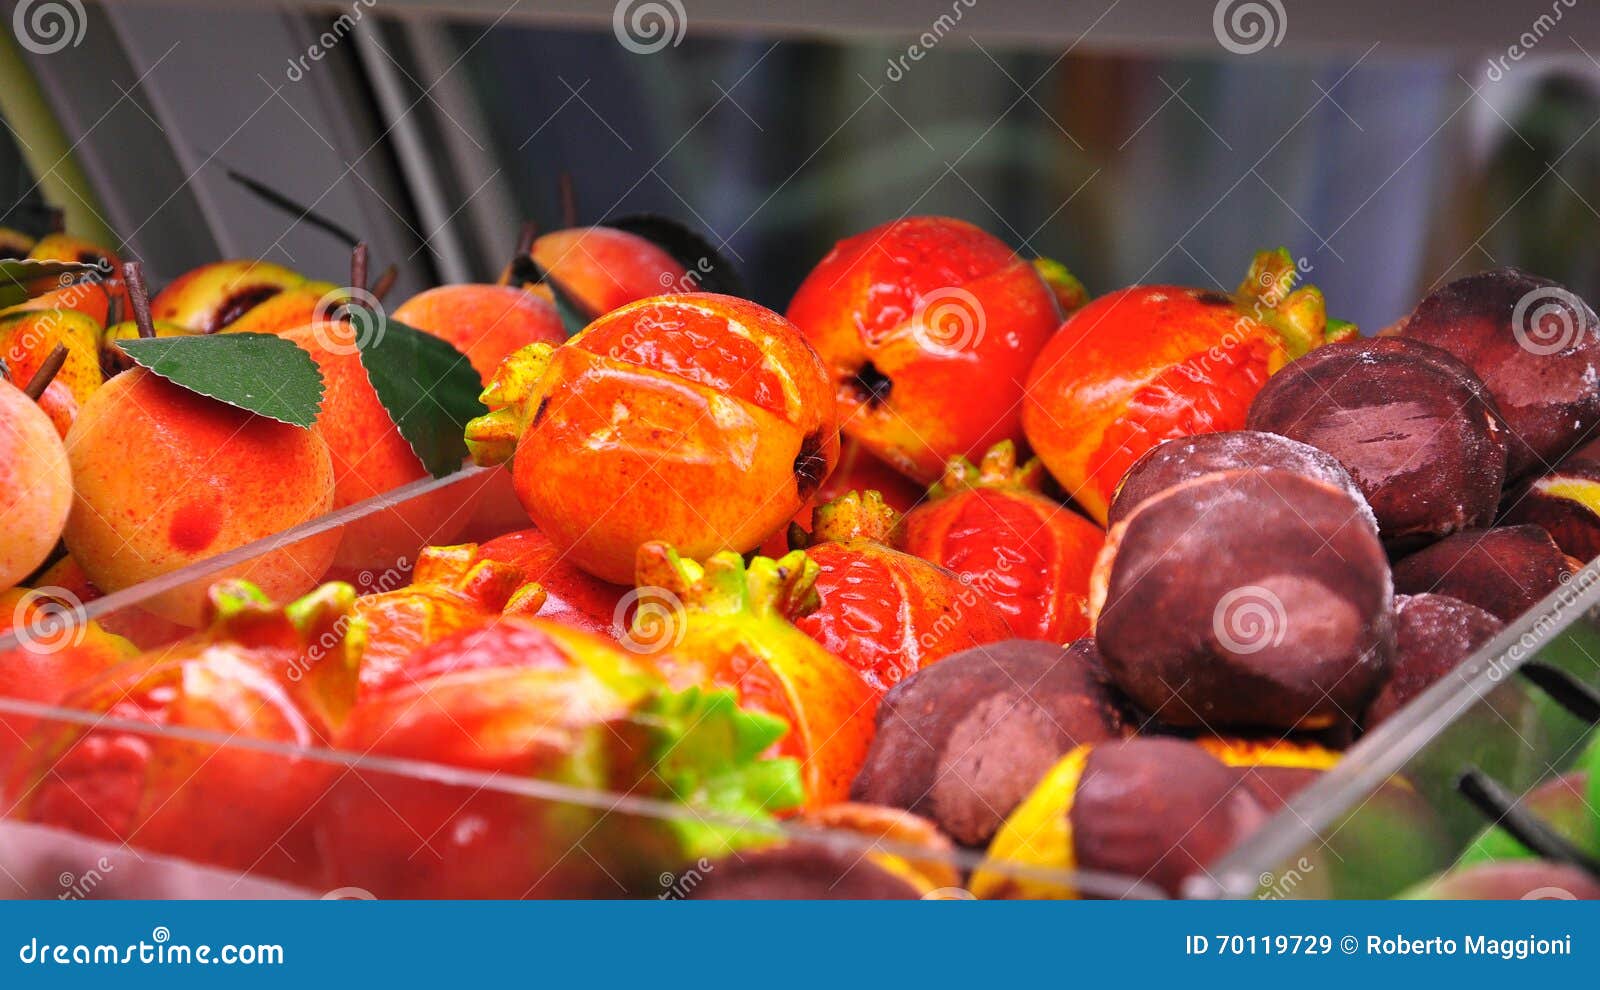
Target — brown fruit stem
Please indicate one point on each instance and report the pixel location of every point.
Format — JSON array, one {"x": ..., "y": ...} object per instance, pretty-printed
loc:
[
  {"x": 139, "y": 297},
  {"x": 569, "y": 202},
  {"x": 41, "y": 379},
  {"x": 385, "y": 282},
  {"x": 358, "y": 266}
]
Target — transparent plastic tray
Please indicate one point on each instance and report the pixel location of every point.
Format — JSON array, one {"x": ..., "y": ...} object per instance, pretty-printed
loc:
[
  {"x": 1387, "y": 816},
  {"x": 1395, "y": 810},
  {"x": 410, "y": 809}
]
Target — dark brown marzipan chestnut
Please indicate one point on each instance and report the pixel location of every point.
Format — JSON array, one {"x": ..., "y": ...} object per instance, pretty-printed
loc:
[
  {"x": 1190, "y": 457},
  {"x": 1534, "y": 345},
  {"x": 1151, "y": 809},
  {"x": 1255, "y": 598},
  {"x": 1503, "y": 571},
  {"x": 796, "y": 871},
  {"x": 1414, "y": 427},
  {"x": 1158, "y": 809},
  {"x": 1564, "y": 502},
  {"x": 1433, "y": 634},
  {"x": 962, "y": 741}
]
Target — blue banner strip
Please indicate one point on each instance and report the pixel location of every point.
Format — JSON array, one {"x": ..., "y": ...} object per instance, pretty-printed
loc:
[{"x": 767, "y": 945}]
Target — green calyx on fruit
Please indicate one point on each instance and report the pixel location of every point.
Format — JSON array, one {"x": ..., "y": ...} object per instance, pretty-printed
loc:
[
  {"x": 726, "y": 585},
  {"x": 492, "y": 438},
  {"x": 858, "y": 515},
  {"x": 1298, "y": 315},
  {"x": 321, "y": 629},
  {"x": 997, "y": 469},
  {"x": 1069, "y": 292},
  {"x": 706, "y": 752}
]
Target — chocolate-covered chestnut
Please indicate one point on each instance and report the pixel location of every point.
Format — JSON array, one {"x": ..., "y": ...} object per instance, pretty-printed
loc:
[
  {"x": 1245, "y": 598},
  {"x": 1184, "y": 458},
  {"x": 1413, "y": 426},
  {"x": 1535, "y": 346},
  {"x": 1154, "y": 810},
  {"x": 1564, "y": 502},
  {"x": 795, "y": 871},
  {"x": 962, "y": 741},
  {"x": 1504, "y": 570},
  {"x": 1433, "y": 634}
]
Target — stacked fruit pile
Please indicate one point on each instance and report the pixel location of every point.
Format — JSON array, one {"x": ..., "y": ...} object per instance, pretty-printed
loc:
[{"x": 799, "y": 567}]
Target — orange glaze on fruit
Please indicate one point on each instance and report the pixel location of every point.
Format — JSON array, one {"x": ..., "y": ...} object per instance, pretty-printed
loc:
[
  {"x": 866, "y": 610},
  {"x": 484, "y": 322},
  {"x": 574, "y": 597},
  {"x": 606, "y": 268},
  {"x": 707, "y": 348},
  {"x": 1206, "y": 393}
]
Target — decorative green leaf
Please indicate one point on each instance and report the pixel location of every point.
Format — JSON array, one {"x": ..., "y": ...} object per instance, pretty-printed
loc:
[
  {"x": 257, "y": 372},
  {"x": 429, "y": 388},
  {"x": 23, "y": 278}
]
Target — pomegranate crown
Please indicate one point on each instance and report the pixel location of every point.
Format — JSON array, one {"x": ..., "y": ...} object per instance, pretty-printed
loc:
[
  {"x": 1298, "y": 315},
  {"x": 997, "y": 469},
  {"x": 322, "y": 630},
  {"x": 857, "y": 515},
  {"x": 514, "y": 398},
  {"x": 460, "y": 572},
  {"x": 709, "y": 754},
  {"x": 725, "y": 584}
]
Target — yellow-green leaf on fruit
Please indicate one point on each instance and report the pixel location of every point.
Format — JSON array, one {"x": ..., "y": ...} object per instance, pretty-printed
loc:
[{"x": 257, "y": 372}]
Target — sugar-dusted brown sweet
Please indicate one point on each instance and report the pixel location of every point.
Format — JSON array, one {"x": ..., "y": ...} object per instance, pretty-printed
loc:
[
  {"x": 963, "y": 741},
  {"x": 1504, "y": 570},
  {"x": 1534, "y": 344},
  {"x": 1413, "y": 426},
  {"x": 1433, "y": 634},
  {"x": 1183, "y": 458},
  {"x": 1245, "y": 598}
]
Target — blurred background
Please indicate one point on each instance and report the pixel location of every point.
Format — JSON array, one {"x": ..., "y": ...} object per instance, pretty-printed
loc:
[{"x": 1388, "y": 147}]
